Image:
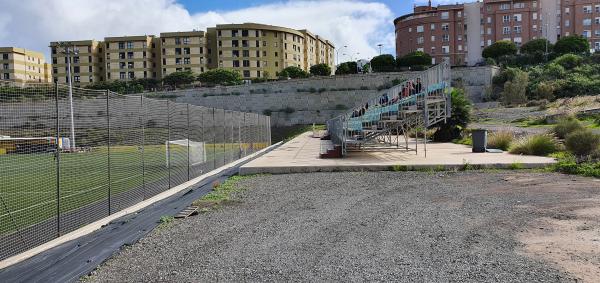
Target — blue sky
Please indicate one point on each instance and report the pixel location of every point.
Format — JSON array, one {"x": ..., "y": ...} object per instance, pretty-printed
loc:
[{"x": 359, "y": 24}]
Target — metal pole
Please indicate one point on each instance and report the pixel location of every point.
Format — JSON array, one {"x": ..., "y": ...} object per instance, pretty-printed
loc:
[
  {"x": 73, "y": 146},
  {"x": 214, "y": 140},
  {"x": 224, "y": 135},
  {"x": 188, "y": 141},
  {"x": 239, "y": 137},
  {"x": 142, "y": 121},
  {"x": 108, "y": 151},
  {"x": 57, "y": 155},
  {"x": 168, "y": 142}
]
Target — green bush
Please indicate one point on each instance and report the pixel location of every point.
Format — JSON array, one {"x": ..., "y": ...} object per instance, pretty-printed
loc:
[
  {"x": 537, "y": 46},
  {"x": 540, "y": 144},
  {"x": 320, "y": 70},
  {"x": 569, "y": 61},
  {"x": 582, "y": 142},
  {"x": 293, "y": 72},
  {"x": 572, "y": 44},
  {"x": 566, "y": 126},
  {"x": 417, "y": 58},
  {"x": 461, "y": 116},
  {"x": 567, "y": 164},
  {"x": 500, "y": 48},
  {"x": 500, "y": 140},
  {"x": 515, "y": 89},
  {"x": 383, "y": 63},
  {"x": 221, "y": 77}
]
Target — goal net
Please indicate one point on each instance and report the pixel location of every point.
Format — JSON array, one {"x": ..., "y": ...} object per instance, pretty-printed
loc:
[{"x": 177, "y": 152}]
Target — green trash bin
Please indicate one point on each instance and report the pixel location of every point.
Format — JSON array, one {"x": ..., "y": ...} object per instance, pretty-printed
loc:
[{"x": 479, "y": 140}]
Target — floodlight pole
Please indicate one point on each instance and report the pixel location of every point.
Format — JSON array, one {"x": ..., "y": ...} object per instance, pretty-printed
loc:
[
  {"x": 68, "y": 52},
  {"x": 337, "y": 52},
  {"x": 380, "y": 45}
]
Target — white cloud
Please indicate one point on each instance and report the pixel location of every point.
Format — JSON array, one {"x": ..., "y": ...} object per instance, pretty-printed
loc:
[{"x": 33, "y": 24}]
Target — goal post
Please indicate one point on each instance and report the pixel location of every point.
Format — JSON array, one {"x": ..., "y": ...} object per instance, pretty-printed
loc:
[{"x": 177, "y": 152}]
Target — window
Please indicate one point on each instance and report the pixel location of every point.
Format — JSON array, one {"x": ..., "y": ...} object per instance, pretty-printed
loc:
[
  {"x": 489, "y": 20},
  {"x": 459, "y": 37},
  {"x": 246, "y": 74},
  {"x": 122, "y": 75},
  {"x": 186, "y": 51},
  {"x": 587, "y": 33},
  {"x": 131, "y": 75},
  {"x": 567, "y": 23},
  {"x": 460, "y": 14},
  {"x": 54, "y": 60},
  {"x": 597, "y": 8},
  {"x": 534, "y": 16},
  {"x": 186, "y": 61},
  {"x": 129, "y": 45},
  {"x": 445, "y": 49},
  {"x": 432, "y": 26},
  {"x": 130, "y": 65},
  {"x": 121, "y": 45},
  {"x": 489, "y": 30},
  {"x": 177, "y": 41},
  {"x": 445, "y": 27},
  {"x": 445, "y": 15},
  {"x": 419, "y": 28},
  {"x": 505, "y": 18},
  {"x": 587, "y": 9},
  {"x": 433, "y": 38},
  {"x": 517, "y": 17},
  {"x": 122, "y": 55},
  {"x": 460, "y": 47},
  {"x": 567, "y": 10},
  {"x": 246, "y": 63},
  {"x": 122, "y": 65},
  {"x": 597, "y": 45},
  {"x": 178, "y": 61},
  {"x": 235, "y": 53},
  {"x": 236, "y": 63},
  {"x": 506, "y": 30},
  {"x": 244, "y": 33},
  {"x": 5, "y": 66},
  {"x": 245, "y": 43},
  {"x": 246, "y": 53},
  {"x": 420, "y": 40},
  {"x": 76, "y": 69},
  {"x": 517, "y": 29},
  {"x": 76, "y": 59},
  {"x": 186, "y": 40},
  {"x": 505, "y": 6},
  {"x": 597, "y": 21},
  {"x": 519, "y": 5},
  {"x": 587, "y": 22},
  {"x": 90, "y": 69},
  {"x": 445, "y": 37},
  {"x": 129, "y": 55}
]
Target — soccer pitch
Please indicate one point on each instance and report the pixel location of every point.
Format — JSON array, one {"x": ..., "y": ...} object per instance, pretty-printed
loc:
[{"x": 29, "y": 181}]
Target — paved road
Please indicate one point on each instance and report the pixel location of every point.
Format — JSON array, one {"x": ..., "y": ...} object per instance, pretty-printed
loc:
[{"x": 369, "y": 226}]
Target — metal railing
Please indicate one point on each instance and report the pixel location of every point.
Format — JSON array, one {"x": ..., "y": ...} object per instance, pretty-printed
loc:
[
  {"x": 58, "y": 174},
  {"x": 419, "y": 101}
]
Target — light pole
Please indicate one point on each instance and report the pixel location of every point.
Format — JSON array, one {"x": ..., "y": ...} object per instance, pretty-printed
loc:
[
  {"x": 69, "y": 50},
  {"x": 337, "y": 53},
  {"x": 380, "y": 46},
  {"x": 548, "y": 18},
  {"x": 357, "y": 58}
]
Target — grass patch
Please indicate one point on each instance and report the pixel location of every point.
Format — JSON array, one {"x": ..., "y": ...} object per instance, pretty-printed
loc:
[
  {"x": 464, "y": 140},
  {"x": 500, "y": 140},
  {"x": 566, "y": 126},
  {"x": 540, "y": 145},
  {"x": 567, "y": 164},
  {"x": 221, "y": 193},
  {"x": 516, "y": 166}
]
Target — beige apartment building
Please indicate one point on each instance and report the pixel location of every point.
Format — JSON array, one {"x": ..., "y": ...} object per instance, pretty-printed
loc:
[
  {"x": 87, "y": 62},
  {"x": 22, "y": 65},
  {"x": 468, "y": 28},
  {"x": 255, "y": 50}
]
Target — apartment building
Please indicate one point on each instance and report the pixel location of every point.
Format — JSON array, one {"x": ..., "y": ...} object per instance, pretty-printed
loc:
[
  {"x": 581, "y": 17},
  {"x": 182, "y": 51},
  {"x": 256, "y": 50},
  {"x": 22, "y": 65},
  {"x": 438, "y": 31},
  {"x": 468, "y": 28},
  {"x": 86, "y": 62}
]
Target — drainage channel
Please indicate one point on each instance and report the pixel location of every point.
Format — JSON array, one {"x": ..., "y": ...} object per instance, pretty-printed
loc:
[{"x": 72, "y": 260}]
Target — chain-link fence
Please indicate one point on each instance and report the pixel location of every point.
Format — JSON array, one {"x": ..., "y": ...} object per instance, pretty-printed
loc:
[{"x": 65, "y": 163}]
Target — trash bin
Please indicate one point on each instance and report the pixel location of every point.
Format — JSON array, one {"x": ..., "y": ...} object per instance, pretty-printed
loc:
[{"x": 479, "y": 140}]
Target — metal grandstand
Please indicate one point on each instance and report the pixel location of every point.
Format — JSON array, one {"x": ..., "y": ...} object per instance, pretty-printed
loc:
[{"x": 386, "y": 120}]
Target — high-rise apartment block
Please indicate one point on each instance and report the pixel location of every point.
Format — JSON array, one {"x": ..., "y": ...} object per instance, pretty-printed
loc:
[
  {"x": 255, "y": 50},
  {"x": 458, "y": 33},
  {"x": 22, "y": 65}
]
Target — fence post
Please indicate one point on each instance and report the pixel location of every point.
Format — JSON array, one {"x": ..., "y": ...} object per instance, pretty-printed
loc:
[
  {"x": 142, "y": 121},
  {"x": 108, "y": 151},
  {"x": 239, "y": 136},
  {"x": 224, "y": 134},
  {"x": 188, "y": 141},
  {"x": 214, "y": 140},
  {"x": 168, "y": 143},
  {"x": 57, "y": 155}
]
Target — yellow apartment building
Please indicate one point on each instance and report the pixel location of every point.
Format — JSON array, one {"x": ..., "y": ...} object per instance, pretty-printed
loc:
[
  {"x": 182, "y": 51},
  {"x": 87, "y": 62},
  {"x": 130, "y": 57},
  {"x": 22, "y": 65}
]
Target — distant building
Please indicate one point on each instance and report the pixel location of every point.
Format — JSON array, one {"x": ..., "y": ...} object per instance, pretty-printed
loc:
[
  {"x": 22, "y": 65},
  {"x": 255, "y": 50},
  {"x": 458, "y": 33}
]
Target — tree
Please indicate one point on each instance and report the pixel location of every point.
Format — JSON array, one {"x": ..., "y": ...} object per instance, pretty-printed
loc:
[
  {"x": 366, "y": 68},
  {"x": 461, "y": 116},
  {"x": 537, "y": 46},
  {"x": 572, "y": 44},
  {"x": 179, "y": 78},
  {"x": 515, "y": 90},
  {"x": 347, "y": 68},
  {"x": 148, "y": 83},
  {"x": 293, "y": 72},
  {"x": 320, "y": 70},
  {"x": 220, "y": 77},
  {"x": 417, "y": 58},
  {"x": 569, "y": 61},
  {"x": 499, "y": 49},
  {"x": 383, "y": 63}
]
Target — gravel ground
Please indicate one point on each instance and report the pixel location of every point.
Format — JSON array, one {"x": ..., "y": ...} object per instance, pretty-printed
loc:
[{"x": 362, "y": 226}]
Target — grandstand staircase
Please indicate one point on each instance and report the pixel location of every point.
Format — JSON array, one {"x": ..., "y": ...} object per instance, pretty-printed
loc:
[{"x": 387, "y": 123}]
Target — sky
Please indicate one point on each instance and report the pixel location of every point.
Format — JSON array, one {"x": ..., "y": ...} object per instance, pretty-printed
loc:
[{"x": 359, "y": 24}]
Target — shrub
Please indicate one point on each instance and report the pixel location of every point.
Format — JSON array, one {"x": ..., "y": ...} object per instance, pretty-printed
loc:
[
  {"x": 554, "y": 71},
  {"x": 293, "y": 72},
  {"x": 537, "y": 46},
  {"x": 572, "y": 44},
  {"x": 566, "y": 126},
  {"x": 267, "y": 112},
  {"x": 347, "y": 68},
  {"x": 545, "y": 90},
  {"x": 500, "y": 48},
  {"x": 500, "y": 140},
  {"x": 221, "y": 77},
  {"x": 569, "y": 61},
  {"x": 582, "y": 142},
  {"x": 383, "y": 63},
  {"x": 540, "y": 144},
  {"x": 320, "y": 70},
  {"x": 515, "y": 90},
  {"x": 417, "y": 58},
  {"x": 461, "y": 116}
]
